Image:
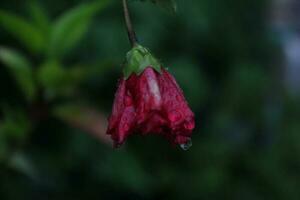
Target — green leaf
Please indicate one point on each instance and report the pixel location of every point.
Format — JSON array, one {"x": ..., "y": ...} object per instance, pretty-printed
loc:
[
  {"x": 21, "y": 163},
  {"x": 22, "y": 30},
  {"x": 39, "y": 17},
  {"x": 67, "y": 111},
  {"x": 58, "y": 80},
  {"x": 3, "y": 143},
  {"x": 53, "y": 77},
  {"x": 15, "y": 124},
  {"x": 21, "y": 70},
  {"x": 71, "y": 27}
]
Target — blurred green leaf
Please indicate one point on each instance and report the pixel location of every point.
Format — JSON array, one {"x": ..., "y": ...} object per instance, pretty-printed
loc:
[
  {"x": 15, "y": 124},
  {"x": 83, "y": 72},
  {"x": 24, "y": 31},
  {"x": 52, "y": 76},
  {"x": 21, "y": 163},
  {"x": 58, "y": 80},
  {"x": 67, "y": 111},
  {"x": 21, "y": 69},
  {"x": 39, "y": 17},
  {"x": 3, "y": 145},
  {"x": 71, "y": 27},
  {"x": 186, "y": 72}
]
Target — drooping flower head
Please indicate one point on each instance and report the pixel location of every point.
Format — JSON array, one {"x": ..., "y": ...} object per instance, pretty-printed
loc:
[{"x": 149, "y": 101}]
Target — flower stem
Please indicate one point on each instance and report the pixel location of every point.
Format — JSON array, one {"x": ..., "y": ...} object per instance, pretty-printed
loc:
[{"x": 131, "y": 34}]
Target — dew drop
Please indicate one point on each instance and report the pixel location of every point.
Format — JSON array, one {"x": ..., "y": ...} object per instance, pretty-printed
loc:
[
  {"x": 143, "y": 79},
  {"x": 187, "y": 145},
  {"x": 174, "y": 116},
  {"x": 189, "y": 125},
  {"x": 117, "y": 145},
  {"x": 128, "y": 101},
  {"x": 126, "y": 127}
]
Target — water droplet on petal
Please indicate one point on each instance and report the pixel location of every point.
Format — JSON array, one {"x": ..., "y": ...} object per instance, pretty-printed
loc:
[
  {"x": 187, "y": 145},
  {"x": 189, "y": 125},
  {"x": 128, "y": 101},
  {"x": 143, "y": 79},
  {"x": 174, "y": 116},
  {"x": 117, "y": 145},
  {"x": 126, "y": 127}
]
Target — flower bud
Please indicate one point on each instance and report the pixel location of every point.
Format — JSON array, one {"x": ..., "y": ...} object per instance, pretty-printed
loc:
[{"x": 149, "y": 101}]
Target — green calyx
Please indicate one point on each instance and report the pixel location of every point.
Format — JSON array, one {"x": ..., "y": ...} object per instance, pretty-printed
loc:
[{"x": 139, "y": 58}]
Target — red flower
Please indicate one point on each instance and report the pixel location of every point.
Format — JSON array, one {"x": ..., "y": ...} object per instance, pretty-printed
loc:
[{"x": 150, "y": 103}]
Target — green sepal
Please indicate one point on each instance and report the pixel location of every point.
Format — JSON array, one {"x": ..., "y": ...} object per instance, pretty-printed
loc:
[{"x": 139, "y": 58}]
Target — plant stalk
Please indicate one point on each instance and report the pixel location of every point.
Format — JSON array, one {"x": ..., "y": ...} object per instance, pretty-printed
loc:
[{"x": 130, "y": 31}]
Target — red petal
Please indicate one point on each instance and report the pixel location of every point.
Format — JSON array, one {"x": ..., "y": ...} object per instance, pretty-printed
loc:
[
  {"x": 125, "y": 126},
  {"x": 118, "y": 106},
  {"x": 145, "y": 90},
  {"x": 179, "y": 115}
]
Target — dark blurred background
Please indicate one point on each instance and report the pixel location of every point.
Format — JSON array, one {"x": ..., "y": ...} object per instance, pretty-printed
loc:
[{"x": 238, "y": 63}]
